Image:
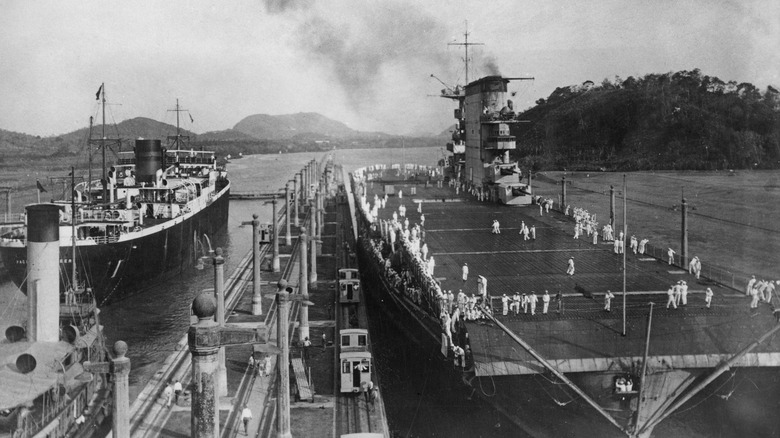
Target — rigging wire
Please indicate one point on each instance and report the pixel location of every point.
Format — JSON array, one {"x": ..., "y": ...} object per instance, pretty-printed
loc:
[
  {"x": 422, "y": 393},
  {"x": 558, "y": 402},
  {"x": 733, "y": 373}
]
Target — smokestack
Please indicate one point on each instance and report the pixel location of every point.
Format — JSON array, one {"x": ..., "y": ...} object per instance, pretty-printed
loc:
[{"x": 43, "y": 273}]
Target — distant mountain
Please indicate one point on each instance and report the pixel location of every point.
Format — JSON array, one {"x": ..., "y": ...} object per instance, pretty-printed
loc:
[
  {"x": 73, "y": 142},
  {"x": 287, "y": 126},
  {"x": 225, "y": 135},
  {"x": 447, "y": 133},
  {"x": 131, "y": 129},
  {"x": 253, "y": 134}
]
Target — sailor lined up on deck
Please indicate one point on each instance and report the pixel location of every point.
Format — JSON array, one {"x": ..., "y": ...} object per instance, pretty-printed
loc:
[
  {"x": 482, "y": 288},
  {"x": 532, "y": 300},
  {"x": 515, "y": 303},
  {"x": 496, "y": 227}
]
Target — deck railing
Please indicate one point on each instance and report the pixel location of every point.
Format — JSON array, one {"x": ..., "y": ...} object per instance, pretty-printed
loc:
[{"x": 726, "y": 277}]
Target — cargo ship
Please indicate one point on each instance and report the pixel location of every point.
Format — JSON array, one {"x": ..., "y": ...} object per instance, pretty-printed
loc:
[
  {"x": 151, "y": 215},
  {"x": 432, "y": 239},
  {"x": 48, "y": 388}
]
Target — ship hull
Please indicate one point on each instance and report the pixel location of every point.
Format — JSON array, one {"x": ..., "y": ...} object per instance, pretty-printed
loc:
[
  {"x": 119, "y": 268},
  {"x": 531, "y": 402}
]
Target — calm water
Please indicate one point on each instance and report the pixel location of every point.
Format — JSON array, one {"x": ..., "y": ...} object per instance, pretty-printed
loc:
[{"x": 152, "y": 322}]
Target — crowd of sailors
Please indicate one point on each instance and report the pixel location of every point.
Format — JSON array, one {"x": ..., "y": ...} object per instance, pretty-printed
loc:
[
  {"x": 404, "y": 247},
  {"x": 404, "y": 243},
  {"x": 761, "y": 291}
]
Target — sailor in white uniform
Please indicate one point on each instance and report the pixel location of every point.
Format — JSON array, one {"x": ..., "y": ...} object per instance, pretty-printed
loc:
[
  {"x": 545, "y": 301},
  {"x": 570, "y": 269},
  {"x": 708, "y": 297}
]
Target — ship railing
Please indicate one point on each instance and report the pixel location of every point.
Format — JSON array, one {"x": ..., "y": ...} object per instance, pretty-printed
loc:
[
  {"x": 12, "y": 220},
  {"x": 189, "y": 157},
  {"x": 99, "y": 239},
  {"x": 61, "y": 407},
  {"x": 103, "y": 215},
  {"x": 729, "y": 278}
]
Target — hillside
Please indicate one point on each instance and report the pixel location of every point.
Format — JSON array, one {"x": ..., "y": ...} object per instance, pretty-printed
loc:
[
  {"x": 682, "y": 120},
  {"x": 268, "y": 127},
  {"x": 224, "y": 135},
  {"x": 12, "y": 143}
]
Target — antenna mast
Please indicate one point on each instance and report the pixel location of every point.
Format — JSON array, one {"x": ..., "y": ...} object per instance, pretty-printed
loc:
[
  {"x": 104, "y": 181},
  {"x": 466, "y": 45},
  {"x": 103, "y": 143},
  {"x": 177, "y": 139}
]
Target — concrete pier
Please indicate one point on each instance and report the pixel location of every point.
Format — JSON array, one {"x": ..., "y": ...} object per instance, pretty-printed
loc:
[{"x": 253, "y": 386}]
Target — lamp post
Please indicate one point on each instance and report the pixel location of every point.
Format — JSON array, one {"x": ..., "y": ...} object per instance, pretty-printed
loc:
[
  {"x": 305, "y": 183},
  {"x": 257, "y": 298},
  {"x": 296, "y": 196},
  {"x": 206, "y": 338},
  {"x": 303, "y": 286},
  {"x": 275, "y": 231},
  {"x": 287, "y": 235},
  {"x": 119, "y": 369},
  {"x": 313, "y": 233},
  {"x": 219, "y": 294},
  {"x": 284, "y": 298}
]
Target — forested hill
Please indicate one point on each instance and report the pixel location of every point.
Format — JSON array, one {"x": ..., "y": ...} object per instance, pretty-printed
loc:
[{"x": 677, "y": 120}]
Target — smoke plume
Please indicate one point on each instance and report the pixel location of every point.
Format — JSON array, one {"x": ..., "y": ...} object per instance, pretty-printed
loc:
[
  {"x": 397, "y": 36},
  {"x": 281, "y": 6},
  {"x": 490, "y": 66}
]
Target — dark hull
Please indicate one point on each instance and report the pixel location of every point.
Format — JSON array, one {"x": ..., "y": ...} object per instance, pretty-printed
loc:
[{"x": 117, "y": 269}]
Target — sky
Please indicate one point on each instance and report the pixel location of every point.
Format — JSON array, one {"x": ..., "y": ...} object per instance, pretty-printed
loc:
[{"x": 362, "y": 62}]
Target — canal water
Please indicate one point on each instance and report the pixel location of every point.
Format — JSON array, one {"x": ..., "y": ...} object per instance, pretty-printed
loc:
[{"x": 419, "y": 404}]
